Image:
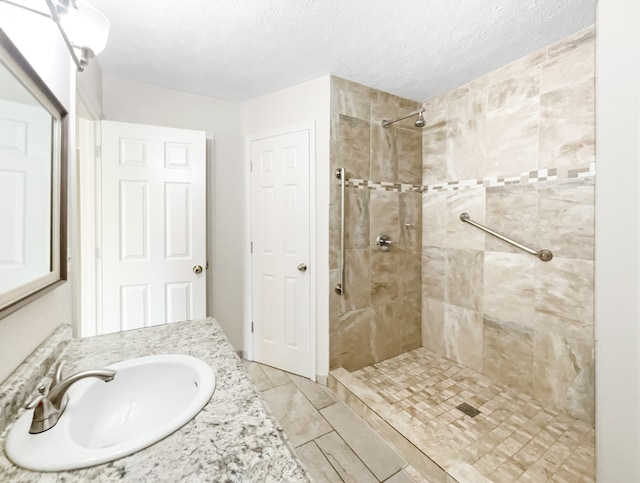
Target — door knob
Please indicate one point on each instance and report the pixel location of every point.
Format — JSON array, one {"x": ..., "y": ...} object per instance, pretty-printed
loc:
[
  {"x": 197, "y": 269},
  {"x": 302, "y": 267}
]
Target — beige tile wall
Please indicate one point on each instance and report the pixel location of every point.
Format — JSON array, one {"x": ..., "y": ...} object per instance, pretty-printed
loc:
[
  {"x": 379, "y": 314},
  {"x": 486, "y": 304}
]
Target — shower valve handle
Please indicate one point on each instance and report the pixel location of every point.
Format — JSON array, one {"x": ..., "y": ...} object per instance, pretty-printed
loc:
[{"x": 384, "y": 243}]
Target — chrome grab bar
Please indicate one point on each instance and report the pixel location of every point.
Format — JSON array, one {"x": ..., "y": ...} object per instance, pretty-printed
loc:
[
  {"x": 341, "y": 175},
  {"x": 544, "y": 255}
]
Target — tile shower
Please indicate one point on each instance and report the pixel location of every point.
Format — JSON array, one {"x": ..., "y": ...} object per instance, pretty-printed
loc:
[
  {"x": 379, "y": 314},
  {"x": 515, "y": 149}
]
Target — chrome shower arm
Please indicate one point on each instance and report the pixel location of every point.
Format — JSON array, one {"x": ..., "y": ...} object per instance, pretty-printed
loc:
[{"x": 387, "y": 123}]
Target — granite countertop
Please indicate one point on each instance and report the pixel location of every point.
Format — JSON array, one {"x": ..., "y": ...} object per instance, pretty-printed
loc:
[{"x": 234, "y": 438}]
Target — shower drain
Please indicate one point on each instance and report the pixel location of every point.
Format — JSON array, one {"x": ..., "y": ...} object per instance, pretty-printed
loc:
[{"x": 468, "y": 409}]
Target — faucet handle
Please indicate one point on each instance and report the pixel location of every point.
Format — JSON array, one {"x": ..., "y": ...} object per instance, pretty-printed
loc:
[{"x": 35, "y": 402}]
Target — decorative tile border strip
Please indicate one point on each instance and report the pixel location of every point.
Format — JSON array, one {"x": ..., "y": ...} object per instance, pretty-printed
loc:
[
  {"x": 582, "y": 172},
  {"x": 529, "y": 177},
  {"x": 367, "y": 184},
  {"x": 536, "y": 176}
]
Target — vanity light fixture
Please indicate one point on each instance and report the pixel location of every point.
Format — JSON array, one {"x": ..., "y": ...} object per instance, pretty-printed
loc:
[
  {"x": 87, "y": 29},
  {"x": 84, "y": 29}
]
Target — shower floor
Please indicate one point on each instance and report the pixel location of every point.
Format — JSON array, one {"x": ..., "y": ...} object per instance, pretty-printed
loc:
[{"x": 412, "y": 401}]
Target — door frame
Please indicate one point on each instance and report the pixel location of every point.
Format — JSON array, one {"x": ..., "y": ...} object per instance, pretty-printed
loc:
[
  {"x": 89, "y": 198},
  {"x": 89, "y": 113},
  {"x": 247, "y": 335}
]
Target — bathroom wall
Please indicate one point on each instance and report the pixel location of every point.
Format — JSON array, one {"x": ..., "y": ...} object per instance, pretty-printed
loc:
[
  {"x": 137, "y": 102},
  {"x": 89, "y": 91},
  {"x": 515, "y": 150},
  {"x": 617, "y": 242},
  {"x": 230, "y": 122},
  {"x": 22, "y": 331},
  {"x": 379, "y": 314}
]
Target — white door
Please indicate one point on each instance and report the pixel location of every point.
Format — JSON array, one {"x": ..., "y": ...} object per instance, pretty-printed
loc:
[
  {"x": 280, "y": 251},
  {"x": 153, "y": 225},
  {"x": 25, "y": 188}
]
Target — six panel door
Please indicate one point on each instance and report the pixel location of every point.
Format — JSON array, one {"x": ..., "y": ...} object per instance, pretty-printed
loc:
[
  {"x": 153, "y": 225},
  {"x": 280, "y": 258}
]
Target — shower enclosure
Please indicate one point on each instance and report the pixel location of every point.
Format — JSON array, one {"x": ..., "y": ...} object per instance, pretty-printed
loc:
[{"x": 475, "y": 357}]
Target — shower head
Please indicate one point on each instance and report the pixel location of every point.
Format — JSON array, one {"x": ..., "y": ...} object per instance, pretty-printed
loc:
[{"x": 420, "y": 122}]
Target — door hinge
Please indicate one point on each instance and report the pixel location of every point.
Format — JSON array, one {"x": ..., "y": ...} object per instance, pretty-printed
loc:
[
  {"x": 98, "y": 153},
  {"x": 98, "y": 253},
  {"x": 252, "y": 326},
  {"x": 251, "y": 166},
  {"x": 251, "y": 247}
]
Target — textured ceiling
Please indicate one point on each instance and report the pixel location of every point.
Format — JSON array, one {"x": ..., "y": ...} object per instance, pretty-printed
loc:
[{"x": 240, "y": 49}]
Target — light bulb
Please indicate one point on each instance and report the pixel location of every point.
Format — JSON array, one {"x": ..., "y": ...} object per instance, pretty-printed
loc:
[{"x": 86, "y": 27}]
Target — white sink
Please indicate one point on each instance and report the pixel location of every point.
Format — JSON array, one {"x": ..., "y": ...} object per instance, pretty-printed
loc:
[{"x": 149, "y": 398}]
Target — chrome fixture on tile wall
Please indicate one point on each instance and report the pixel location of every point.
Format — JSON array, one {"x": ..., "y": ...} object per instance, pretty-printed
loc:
[
  {"x": 544, "y": 255},
  {"x": 384, "y": 243},
  {"x": 84, "y": 29},
  {"x": 420, "y": 122},
  {"x": 409, "y": 226},
  {"x": 341, "y": 175}
]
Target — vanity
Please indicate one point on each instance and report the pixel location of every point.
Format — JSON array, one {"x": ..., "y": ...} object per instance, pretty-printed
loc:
[{"x": 234, "y": 438}]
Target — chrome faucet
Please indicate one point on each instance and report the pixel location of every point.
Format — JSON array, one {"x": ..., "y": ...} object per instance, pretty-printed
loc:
[{"x": 49, "y": 407}]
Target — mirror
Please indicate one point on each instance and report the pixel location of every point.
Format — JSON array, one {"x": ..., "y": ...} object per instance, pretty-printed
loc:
[{"x": 33, "y": 160}]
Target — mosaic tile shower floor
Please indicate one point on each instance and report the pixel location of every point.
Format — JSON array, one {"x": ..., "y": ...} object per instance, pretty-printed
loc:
[{"x": 413, "y": 398}]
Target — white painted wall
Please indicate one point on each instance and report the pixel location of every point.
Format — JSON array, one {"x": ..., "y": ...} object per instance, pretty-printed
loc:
[
  {"x": 89, "y": 91},
  {"x": 129, "y": 101},
  {"x": 306, "y": 102},
  {"x": 22, "y": 331},
  {"x": 617, "y": 324}
]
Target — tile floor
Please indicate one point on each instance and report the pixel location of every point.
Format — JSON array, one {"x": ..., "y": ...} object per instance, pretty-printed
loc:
[
  {"x": 411, "y": 399},
  {"x": 333, "y": 442}
]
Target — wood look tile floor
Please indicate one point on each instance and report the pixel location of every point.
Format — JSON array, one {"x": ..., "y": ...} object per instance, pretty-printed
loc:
[{"x": 334, "y": 443}]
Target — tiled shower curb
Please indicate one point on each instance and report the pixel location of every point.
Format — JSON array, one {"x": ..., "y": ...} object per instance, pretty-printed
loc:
[{"x": 338, "y": 382}]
